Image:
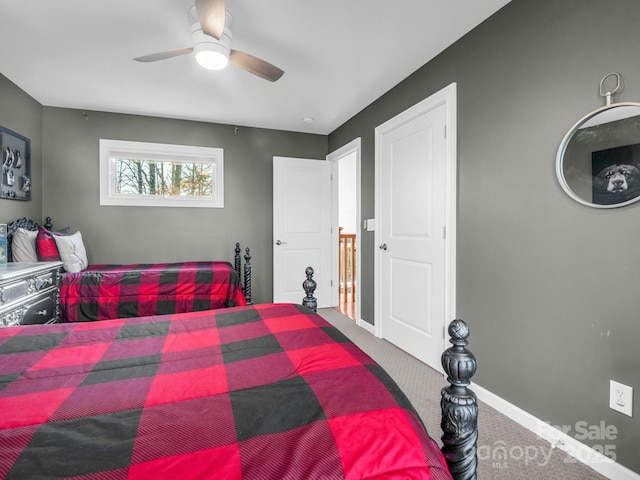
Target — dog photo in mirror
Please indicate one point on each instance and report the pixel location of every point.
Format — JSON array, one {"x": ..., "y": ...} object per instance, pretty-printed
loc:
[{"x": 616, "y": 175}]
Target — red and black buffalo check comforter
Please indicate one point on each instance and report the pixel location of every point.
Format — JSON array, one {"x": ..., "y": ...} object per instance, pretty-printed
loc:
[
  {"x": 261, "y": 392},
  {"x": 121, "y": 291}
]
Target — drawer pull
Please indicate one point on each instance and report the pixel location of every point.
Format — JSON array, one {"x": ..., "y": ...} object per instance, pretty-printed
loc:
[
  {"x": 43, "y": 282},
  {"x": 42, "y": 313}
]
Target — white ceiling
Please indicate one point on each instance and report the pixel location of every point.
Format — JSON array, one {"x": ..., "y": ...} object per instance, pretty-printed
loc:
[{"x": 338, "y": 56}]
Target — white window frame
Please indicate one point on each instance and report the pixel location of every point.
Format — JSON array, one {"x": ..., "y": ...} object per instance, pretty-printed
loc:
[{"x": 160, "y": 152}]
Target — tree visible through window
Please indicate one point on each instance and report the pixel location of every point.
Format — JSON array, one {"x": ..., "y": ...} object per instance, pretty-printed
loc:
[
  {"x": 151, "y": 174},
  {"x": 147, "y": 177}
]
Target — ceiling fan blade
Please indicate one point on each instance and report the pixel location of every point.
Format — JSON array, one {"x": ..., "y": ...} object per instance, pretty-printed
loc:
[
  {"x": 154, "y": 57},
  {"x": 255, "y": 65},
  {"x": 211, "y": 15}
]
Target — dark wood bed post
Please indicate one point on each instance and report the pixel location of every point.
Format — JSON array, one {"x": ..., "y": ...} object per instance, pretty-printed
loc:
[
  {"x": 48, "y": 224},
  {"x": 459, "y": 406},
  {"x": 247, "y": 276},
  {"x": 237, "y": 265},
  {"x": 309, "y": 286},
  {"x": 236, "y": 260}
]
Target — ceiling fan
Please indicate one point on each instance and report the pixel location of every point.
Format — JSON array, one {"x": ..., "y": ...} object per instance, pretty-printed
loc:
[{"x": 211, "y": 38}]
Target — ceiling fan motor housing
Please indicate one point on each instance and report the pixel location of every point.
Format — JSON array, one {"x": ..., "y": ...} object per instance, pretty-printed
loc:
[{"x": 210, "y": 52}]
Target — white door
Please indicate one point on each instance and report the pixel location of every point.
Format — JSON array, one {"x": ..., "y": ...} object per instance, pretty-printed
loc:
[
  {"x": 302, "y": 228},
  {"x": 412, "y": 228}
]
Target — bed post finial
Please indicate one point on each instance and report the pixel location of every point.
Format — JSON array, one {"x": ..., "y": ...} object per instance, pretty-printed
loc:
[
  {"x": 47, "y": 223},
  {"x": 247, "y": 277},
  {"x": 459, "y": 406},
  {"x": 309, "y": 286}
]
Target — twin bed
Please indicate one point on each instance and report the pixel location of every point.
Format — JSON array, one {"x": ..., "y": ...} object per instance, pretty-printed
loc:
[
  {"x": 121, "y": 291},
  {"x": 267, "y": 391},
  {"x": 101, "y": 292}
]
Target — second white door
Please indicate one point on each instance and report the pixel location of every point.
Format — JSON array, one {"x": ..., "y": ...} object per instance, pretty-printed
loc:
[{"x": 412, "y": 211}]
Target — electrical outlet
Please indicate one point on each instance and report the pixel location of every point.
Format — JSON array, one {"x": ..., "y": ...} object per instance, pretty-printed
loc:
[{"x": 621, "y": 398}]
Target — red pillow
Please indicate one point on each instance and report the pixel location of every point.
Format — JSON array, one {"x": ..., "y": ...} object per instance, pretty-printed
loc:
[{"x": 46, "y": 246}]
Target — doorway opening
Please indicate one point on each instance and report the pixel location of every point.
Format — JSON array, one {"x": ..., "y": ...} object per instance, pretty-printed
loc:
[
  {"x": 348, "y": 246},
  {"x": 348, "y": 226}
]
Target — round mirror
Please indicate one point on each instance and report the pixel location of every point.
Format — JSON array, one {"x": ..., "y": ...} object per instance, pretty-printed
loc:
[{"x": 598, "y": 162}]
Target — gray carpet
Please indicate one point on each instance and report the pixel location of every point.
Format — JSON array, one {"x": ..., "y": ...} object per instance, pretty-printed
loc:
[{"x": 527, "y": 456}]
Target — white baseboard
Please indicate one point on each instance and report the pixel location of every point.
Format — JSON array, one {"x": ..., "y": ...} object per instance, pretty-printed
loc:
[{"x": 573, "y": 447}]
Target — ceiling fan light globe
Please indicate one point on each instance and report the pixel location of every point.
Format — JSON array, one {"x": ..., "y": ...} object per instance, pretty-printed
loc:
[{"x": 212, "y": 59}]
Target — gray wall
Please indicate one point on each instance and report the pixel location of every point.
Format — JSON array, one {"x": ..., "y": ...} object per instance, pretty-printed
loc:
[
  {"x": 22, "y": 114},
  {"x": 152, "y": 234},
  {"x": 549, "y": 287}
]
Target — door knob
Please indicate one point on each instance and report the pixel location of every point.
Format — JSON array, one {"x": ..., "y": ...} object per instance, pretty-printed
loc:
[
  {"x": 383, "y": 246},
  {"x": 278, "y": 242}
]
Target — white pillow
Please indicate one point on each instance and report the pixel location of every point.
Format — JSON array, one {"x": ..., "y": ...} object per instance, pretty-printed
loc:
[
  {"x": 72, "y": 252},
  {"x": 23, "y": 245}
]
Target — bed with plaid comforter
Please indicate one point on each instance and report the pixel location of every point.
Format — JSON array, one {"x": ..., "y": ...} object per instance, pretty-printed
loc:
[
  {"x": 120, "y": 291},
  {"x": 257, "y": 392}
]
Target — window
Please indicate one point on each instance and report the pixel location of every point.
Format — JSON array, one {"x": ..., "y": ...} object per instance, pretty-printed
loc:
[{"x": 160, "y": 175}]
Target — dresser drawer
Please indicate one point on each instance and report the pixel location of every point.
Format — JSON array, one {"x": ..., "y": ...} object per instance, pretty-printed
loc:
[
  {"x": 26, "y": 286},
  {"x": 42, "y": 309}
]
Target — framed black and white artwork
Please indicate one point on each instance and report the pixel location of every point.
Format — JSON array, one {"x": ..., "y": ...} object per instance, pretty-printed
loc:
[{"x": 15, "y": 151}]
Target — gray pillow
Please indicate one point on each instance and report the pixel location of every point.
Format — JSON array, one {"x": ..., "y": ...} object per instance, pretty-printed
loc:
[
  {"x": 23, "y": 245},
  {"x": 72, "y": 252}
]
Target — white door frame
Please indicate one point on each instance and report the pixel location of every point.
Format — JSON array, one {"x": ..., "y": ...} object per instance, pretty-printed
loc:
[
  {"x": 355, "y": 146},
  {"x": 446, "y": 96}
]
